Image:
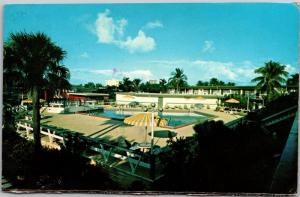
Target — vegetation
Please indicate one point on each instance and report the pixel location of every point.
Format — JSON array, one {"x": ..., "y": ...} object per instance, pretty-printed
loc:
[
  {"x": 178, "y": 79},
  {"x": 243, "y": 101},
  {"x": 214, "y": 82},
  {"x": 219, "y": 159},
  {"x": 50, "y": 170},
  {"x": 88, "y": 87},
  {"x": 33, "y": 61},
  {"x": 293, "y": 80},
  {"x": 271, "y": 79}
]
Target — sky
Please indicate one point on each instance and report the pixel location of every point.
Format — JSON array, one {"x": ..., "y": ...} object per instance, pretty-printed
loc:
[{"x": 148, "y": 41}]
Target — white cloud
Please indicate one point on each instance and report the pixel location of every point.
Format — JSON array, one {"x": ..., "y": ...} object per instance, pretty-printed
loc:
[
  {"x": 140, "y": 73},
  {"x": 110, "y": 31},
  {"x": 290, "y": 69},
  {"x": 153, "y": 25},
  {"x": 169, "y": 62},
  {"x": 107, "y": 29},
  {"x": 141, "y": 43},
  {"x": 143, "y": 74},
  {"x": 84, "y": 55},
  {"x": 106, "y": 72},
  {"x": 208, "y": 46},
  {"x": 218, "y": 69}
]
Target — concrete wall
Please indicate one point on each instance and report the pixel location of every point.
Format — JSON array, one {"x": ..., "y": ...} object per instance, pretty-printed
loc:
[
  {"x": 189, "y": 101},
  {"x": 126, "y": 99},
  {"x": 167, "y": 101}
]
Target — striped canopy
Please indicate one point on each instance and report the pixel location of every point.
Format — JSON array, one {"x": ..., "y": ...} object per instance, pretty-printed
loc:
[
  {"x": 232, "y": 100},
  {"x": 144, "y": 119}
]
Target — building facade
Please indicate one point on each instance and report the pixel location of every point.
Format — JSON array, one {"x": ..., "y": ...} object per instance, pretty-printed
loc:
[{"x": 112, "y": 82}]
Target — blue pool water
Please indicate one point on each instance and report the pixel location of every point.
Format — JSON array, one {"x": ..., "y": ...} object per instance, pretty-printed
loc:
[{"x": 174, "y": 119}]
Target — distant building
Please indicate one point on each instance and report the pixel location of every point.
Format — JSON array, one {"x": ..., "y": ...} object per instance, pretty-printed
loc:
[
  {"x": 112, "y": 82},
  {"x": 83, "y": 96},
  {"x": 153, "y": 81}
]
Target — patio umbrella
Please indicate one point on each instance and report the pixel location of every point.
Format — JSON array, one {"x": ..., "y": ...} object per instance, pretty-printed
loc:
[
  {"x": 146, "y": 119},
  {"x": 232, "y": 100}
]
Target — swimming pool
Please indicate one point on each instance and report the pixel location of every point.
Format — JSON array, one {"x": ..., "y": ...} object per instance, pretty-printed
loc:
[{"x": 174, "y": 119}]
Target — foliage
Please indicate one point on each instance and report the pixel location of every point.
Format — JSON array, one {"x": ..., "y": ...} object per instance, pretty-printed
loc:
[
  {"x": 178, "y": 79},
  {"x": 279, "y": 104},
  {"x": 149, "y": 87},
  {"x": 243, "y": 99},
  {"x": 271, "y": 79},
  {"x": 33, "y": 62},
  {"x": 88, "y": 87},
  {"x": 52, "y": 169},
  {"x": 163, "y": 85},
  {"x": 136, "y": 84},
  {"x": 126, "y": 85},
  {"x": 293, "y": 80},
  {"x": 219, "y": 159},
  {"x": 214, "y": 82}
]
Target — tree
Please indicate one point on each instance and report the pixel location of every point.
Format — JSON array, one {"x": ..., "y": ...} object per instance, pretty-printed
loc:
[
  {"x": 126, "y": 85},
  {"x": 136, "y": 84},
  {"x": 178, "y": 78},
  {"x": 213, "y": 82},
  {"x": 163, "y": 85},
  {"x": 200, "y": 83},
  {"x": 272, "y": 76},
  {"x": 293, "y": 80},
  {"x": 230, "y": 84},
  {"x": 35, "y": 61},
  {"x": 90, "y": 85}
]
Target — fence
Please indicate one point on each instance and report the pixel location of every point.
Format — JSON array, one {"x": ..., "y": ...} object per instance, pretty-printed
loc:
[{"x": 127, "y": 160}]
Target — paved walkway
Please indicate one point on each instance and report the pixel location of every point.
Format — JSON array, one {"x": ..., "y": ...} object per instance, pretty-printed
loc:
[{"x": 99, "y": 127}]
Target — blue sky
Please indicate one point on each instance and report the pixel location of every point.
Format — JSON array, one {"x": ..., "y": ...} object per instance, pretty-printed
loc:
[{"x": 148, "y": 41}]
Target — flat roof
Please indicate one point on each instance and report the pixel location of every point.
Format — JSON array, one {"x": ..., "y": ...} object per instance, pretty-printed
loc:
[
  {"x": 167, "y": 95},
  {"x": 87, "y": 94}
]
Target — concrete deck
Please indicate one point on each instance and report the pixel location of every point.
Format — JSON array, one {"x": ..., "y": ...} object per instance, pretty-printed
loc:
[{"x": 99, "y": 127}]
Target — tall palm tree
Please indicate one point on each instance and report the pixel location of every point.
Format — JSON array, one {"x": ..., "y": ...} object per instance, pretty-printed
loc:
[
  {"x": 163, "y": 85},
  {"x": 293, "y": 80},
  {"x": 178, "y": 78},
  {"x": 126, "y": 84},
  {"x": 34, "y": 61},
  {"x": 136, "y": 84},
  {"x": 272, "y": 76}
]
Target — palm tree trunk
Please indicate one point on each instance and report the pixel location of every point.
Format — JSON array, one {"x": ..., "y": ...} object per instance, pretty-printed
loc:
[{"x": 36, "y": 118}]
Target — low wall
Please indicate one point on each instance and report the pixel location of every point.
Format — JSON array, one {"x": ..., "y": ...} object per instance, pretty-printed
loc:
[{"x": 170, "y": 101}]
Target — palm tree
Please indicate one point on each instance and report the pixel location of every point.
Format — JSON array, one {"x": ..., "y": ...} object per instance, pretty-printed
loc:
[
  {"x": 178, "y": 78},
  {"x": 126, "y": 84},
  {"x": 136, "y": 84},
  {"x": 293, "y": 80},
  {"x": 272, "y": 76},
  {"x": 163, "y": 85},
  {"x": 34, "y": 61}
]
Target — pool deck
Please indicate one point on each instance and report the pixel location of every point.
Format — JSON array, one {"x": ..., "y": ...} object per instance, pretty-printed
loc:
[{"x": 99, "y": 127}]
